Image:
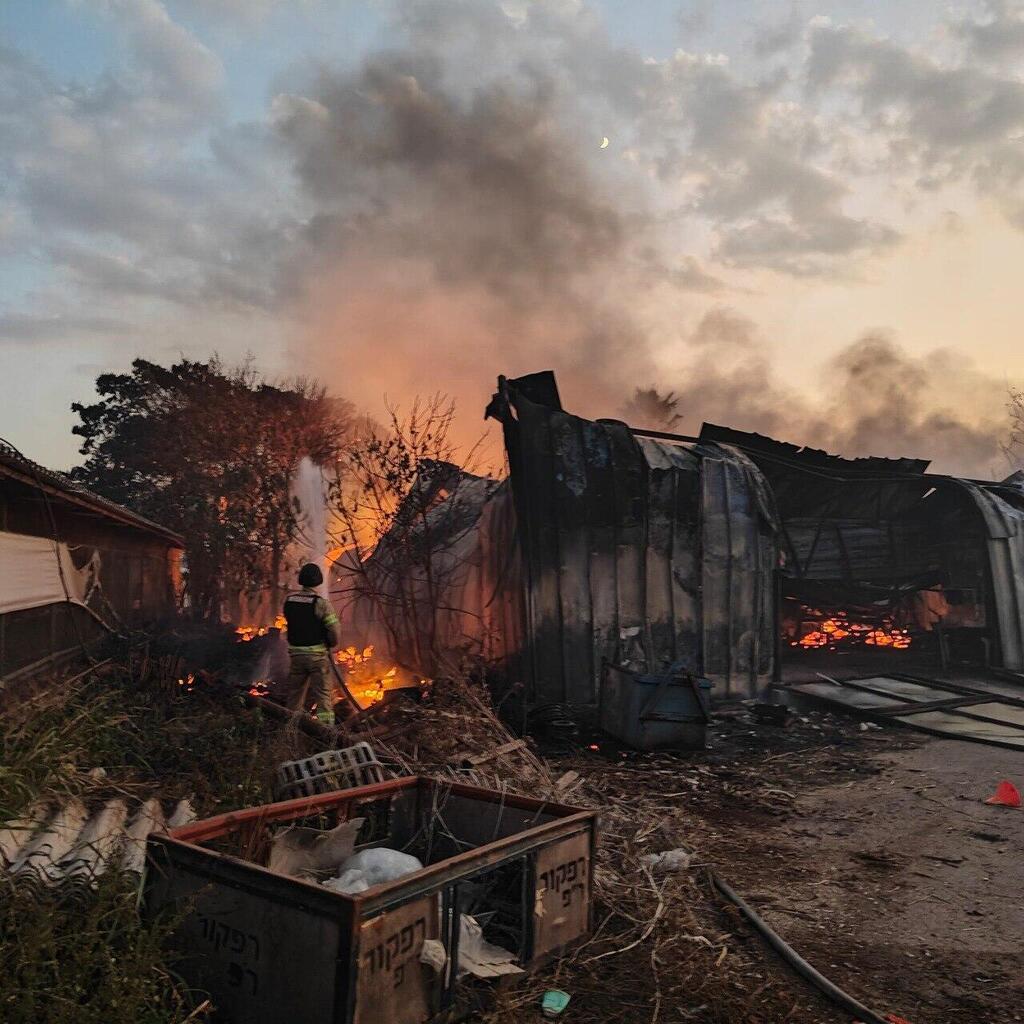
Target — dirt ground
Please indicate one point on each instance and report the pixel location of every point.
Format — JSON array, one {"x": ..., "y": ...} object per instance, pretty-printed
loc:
[{"x": 870, "y": 851}]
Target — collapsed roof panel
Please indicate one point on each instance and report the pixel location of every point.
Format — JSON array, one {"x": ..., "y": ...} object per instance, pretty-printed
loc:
[
  {"x": 808, "y": 481},
  {"x": 812, "y": 458}
]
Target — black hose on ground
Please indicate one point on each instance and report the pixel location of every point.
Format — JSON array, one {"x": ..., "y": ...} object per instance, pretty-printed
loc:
[{"x": 798, "y": 963}]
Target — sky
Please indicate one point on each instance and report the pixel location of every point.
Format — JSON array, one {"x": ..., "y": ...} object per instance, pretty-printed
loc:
[{"x": 807, "y": 219}]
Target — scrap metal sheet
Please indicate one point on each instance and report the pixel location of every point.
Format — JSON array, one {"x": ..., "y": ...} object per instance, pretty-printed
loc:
[{"x": 894, "y": 700}]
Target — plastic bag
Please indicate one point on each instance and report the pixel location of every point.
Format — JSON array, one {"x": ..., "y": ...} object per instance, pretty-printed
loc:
[{"x": 368, "y": 868}]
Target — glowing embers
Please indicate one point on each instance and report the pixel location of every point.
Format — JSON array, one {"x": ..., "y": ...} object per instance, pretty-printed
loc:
[
  {"x": 244, "y": 634},
  {"x": 260, "y": 688},
  {"x": 366, "y": 681},
  {"x": 839, "y": 630},
  {"x": 897, "y": 638}
]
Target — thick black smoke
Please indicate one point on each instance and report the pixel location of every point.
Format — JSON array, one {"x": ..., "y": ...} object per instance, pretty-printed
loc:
[{"x": 459, "y": 236}]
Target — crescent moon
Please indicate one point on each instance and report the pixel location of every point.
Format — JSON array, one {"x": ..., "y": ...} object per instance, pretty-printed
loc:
[{"x": 604, "y": 142}]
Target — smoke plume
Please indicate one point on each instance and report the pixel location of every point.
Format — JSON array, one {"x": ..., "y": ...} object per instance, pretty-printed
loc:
[
  {"x": 457, "y": 237},
  {"x": 460, "y": 228},
  {"x": 873, "y": 399}
]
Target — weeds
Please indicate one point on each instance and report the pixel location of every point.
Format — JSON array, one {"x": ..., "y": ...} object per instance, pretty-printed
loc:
[
  {"x": 200, "y": 744},
  {"x": 78, "y": 955},
  {"x": 50, "y": 739}
]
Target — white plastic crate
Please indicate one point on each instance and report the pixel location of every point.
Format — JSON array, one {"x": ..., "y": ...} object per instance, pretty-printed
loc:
[{"x": 333, "y": 769}]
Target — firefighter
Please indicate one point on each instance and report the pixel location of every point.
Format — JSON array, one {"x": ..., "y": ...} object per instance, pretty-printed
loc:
[{"x": 312, "y": 632}]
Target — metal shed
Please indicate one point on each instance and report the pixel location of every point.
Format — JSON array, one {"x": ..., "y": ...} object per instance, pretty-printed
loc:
[
  {"x": 1004, "y": 527},
  {"x": 71, "y": 562}
]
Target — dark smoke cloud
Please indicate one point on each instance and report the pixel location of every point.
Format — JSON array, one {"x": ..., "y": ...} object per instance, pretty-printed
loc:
[
  {"x": 463, "y": 234},
  {"x": 874, "y": 399}
]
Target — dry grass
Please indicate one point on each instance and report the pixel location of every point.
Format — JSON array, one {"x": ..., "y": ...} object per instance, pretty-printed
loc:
[{"x": 80, "y": 954}]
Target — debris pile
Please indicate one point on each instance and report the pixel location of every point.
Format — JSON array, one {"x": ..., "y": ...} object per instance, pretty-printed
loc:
[{"x": 455, "y": 732}]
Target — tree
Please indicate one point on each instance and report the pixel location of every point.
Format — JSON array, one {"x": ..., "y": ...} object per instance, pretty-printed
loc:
[
  {"x": 650, "y": 409},
  {"x": 210, "y": 451},
  {"x": 1014, "y": 447},
  {"x": 400, "y": 503}
]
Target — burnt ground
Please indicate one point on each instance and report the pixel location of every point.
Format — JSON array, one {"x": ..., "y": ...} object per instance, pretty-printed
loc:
[{"x": 870, "y": 852}]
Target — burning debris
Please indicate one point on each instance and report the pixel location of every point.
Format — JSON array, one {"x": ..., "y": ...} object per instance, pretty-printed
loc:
[
  {"x": 246, "y": 634},
  {"x": 842, "y": 630},
  {"x": 366, "y": 682},
  {"x": 371, "y": 683}
]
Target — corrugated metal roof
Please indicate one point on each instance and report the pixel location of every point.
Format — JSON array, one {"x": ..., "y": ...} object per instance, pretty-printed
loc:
[
  {"x": 14, "y": 464},
  {"x": 800, "y": 455},
  {"x": 66, "y": 841}
]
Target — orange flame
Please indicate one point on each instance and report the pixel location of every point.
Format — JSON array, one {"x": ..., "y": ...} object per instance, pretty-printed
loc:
[
  {"x": 369, "y": 684},
  {"x": 834, "y": 628},
  {"x": 243, "y": 634}
]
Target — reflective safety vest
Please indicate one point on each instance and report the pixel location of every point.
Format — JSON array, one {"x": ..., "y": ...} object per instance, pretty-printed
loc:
[{"x": 309, "y": 618}]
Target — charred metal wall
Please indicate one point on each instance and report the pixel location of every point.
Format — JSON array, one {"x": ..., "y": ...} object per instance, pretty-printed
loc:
[
  {"x": 136, "y": 573},
  {"x": 739, "y": 560},
  {"x": 635, "y": 551}
]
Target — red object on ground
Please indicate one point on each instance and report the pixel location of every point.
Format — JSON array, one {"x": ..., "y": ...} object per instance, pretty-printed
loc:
[
  {"x": 1006, "y": 795},
  {"x": 893, "y": 1019}
]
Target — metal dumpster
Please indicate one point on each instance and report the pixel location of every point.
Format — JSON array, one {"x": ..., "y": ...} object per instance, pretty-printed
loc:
[
  {"x": 269, "y": 948},
  {"x": 655, "y": 712}
]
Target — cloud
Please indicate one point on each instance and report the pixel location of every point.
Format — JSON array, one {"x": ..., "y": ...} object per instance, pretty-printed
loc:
[
  {"x": 250, "y": 13},
  {"x": 998, "y": 37},
  {"x": 131, "y": 183},
  {"x": 688, "y": 275},
  {"x": 171, "y": 74},
  {"x": 695, "y": 17},
  {"x": 806, "y": 246},
  {"x": 760, "y": 174},
  {"x": 945, "y": 122},
  {"x": 778, "y": 37},
  {"x": 25, "y": 328}
]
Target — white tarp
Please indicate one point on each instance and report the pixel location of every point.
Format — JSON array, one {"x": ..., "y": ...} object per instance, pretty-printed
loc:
[{"x": 30, "y": 573}]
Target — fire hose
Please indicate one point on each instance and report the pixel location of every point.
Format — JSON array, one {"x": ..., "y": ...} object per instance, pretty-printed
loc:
[
  {"x": 827, "y": 988},
  {"x": 344, "y": 687}
]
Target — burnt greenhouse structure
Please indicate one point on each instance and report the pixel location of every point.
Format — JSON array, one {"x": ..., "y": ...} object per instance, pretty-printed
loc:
[{"x": 729, "y": 555}]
